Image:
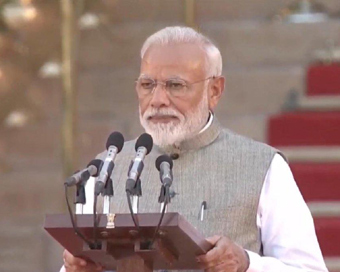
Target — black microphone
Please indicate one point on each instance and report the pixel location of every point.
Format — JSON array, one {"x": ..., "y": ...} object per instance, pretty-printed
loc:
[
  {"x": 92, "y": 169},
  {"x": 164, "y": 165},
  {"x": 114, "y": 145},
  {"x": 143, "y": 147}
]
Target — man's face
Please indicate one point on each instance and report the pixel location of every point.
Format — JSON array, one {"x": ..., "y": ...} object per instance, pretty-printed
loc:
[{"x": 171, "y": 118}]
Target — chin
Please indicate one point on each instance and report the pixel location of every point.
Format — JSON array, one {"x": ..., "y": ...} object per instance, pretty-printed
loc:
[{"x": 162, "y": 133}]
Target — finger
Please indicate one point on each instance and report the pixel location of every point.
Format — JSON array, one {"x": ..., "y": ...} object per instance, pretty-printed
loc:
[
  {"x": 211, "y": 264},
  {"x": 213, "y": 240},
  {"x": 216, "y": 252},
  {"x": 210, "y": 260},
  {"x": 88, "y": 268},
  {"x": 70, "y": 260},
  {"x": 219, "y": 268},
  {"x": 99, "y": 268},
  {"x": 93, "y": 267}
]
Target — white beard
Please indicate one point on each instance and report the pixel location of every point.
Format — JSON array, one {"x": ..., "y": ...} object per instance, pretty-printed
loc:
[{"x": 190, "y": 124}]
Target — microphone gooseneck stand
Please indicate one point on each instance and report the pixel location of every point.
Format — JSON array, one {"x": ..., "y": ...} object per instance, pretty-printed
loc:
[
  {"x": 80, "y": 198},
  {"x": 108, "y": 194},
  {"x": 79, "y": 179},
  {"x": 74, "y": 225},
  {"x": 164, "y": 165},
  {"x": 164, "y": 198},
  {"x": 133, "y": 186},
  {"x": 134, "y": 191},
  {"x": 103, "y": 183}
]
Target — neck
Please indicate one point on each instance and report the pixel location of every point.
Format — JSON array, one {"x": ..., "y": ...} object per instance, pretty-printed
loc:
[{"x": 206, "y": 136}]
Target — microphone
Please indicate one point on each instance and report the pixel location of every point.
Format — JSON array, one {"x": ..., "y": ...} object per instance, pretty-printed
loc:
[
  {"x": 114, "y": 145},
  {"x": 143, "y": 147},
  {"x": 92, "y": 169},
  {"x": 164, "y": 165}
]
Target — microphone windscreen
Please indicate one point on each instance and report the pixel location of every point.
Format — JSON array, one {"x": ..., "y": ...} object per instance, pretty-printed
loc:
[
  {"x": 98, "y": 164},
  {"x": 116, "y": 139},
  {"x": 146, "y": 141},
  {"x": 163, "y": 158}
]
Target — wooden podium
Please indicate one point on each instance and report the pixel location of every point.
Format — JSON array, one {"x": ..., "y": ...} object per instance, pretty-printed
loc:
[{"x": 124, "y": 248}]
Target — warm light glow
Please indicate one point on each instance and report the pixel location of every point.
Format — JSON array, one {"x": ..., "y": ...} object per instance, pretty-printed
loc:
[
  {"x": 26, "y": 2},
  {"x": 30, "y": 13},
  {"x": 16, "y": 118},
  {"x": 17, "y": 13},
  {"x": 89, "y": 21},
  {"x": 1, "y": 74},
  {"x": 50, "y": 69}
]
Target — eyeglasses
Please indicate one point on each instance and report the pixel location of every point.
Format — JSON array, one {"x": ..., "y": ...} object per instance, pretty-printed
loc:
[{"x": 175, "y": 87}]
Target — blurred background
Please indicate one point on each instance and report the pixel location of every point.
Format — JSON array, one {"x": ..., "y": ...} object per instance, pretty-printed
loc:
[{"x": 67, "y": 71}]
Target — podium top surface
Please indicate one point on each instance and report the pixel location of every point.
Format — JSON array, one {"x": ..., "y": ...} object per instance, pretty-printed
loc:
[{"x": 177, "y": 236}]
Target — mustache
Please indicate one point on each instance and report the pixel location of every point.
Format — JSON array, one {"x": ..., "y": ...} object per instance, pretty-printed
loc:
[{"x": 161, "y": 113}]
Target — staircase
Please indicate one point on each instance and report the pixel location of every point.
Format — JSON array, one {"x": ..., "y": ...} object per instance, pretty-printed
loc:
[{"x": 310, "y": 137}]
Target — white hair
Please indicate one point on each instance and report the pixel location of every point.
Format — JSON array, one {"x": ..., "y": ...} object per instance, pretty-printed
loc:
[{"x": 180, "y": 35}]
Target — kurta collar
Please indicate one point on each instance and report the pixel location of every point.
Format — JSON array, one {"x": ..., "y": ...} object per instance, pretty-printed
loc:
[{"x": 206, "y": 136}]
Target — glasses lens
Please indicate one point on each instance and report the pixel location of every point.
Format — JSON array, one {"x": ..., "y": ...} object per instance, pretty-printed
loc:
[
  {"x": 175, "y": 87},
  {"x": 145, "y": 86}
]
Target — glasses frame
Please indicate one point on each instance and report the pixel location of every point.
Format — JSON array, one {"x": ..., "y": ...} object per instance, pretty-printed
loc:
[{"x": 163, "y": 84}]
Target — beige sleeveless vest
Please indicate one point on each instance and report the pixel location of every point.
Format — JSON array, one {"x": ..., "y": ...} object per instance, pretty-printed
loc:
[{"x": 217, "y": 166}]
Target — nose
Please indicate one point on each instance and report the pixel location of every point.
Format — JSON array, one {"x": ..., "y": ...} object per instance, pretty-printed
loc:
[{"x": 160, "y": 97}]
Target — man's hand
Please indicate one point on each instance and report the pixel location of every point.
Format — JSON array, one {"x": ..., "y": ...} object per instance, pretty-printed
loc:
[
  {"x": 73, "y": 264},
  {"x": 225, "y": 256}
]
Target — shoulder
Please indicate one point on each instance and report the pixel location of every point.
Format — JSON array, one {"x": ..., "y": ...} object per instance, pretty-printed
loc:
[
  {"x": 243, "y": 142},
  {"x": 243, "y": 146}
]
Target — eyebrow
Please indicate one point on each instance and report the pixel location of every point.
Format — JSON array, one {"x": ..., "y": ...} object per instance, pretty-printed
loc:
[{"x": 170, "y": 77}]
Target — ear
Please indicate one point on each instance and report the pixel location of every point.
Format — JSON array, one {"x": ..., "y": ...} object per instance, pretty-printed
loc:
[{"x": 215, "y": 91}]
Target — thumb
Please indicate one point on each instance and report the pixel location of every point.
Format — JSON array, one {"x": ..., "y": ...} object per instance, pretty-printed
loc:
[{"x": 213, "y": 240}]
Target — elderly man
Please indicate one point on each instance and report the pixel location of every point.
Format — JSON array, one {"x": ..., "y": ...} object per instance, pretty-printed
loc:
[{"x": 256, "y": 219}]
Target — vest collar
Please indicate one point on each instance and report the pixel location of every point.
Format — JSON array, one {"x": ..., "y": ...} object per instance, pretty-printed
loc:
[{"x": 204, "y": 138}]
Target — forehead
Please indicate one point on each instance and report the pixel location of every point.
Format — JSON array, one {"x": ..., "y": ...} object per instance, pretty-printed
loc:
[{"x": 183, "y": 60}]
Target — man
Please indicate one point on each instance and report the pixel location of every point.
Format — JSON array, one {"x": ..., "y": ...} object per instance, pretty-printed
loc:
[{"x": 256, "y": 218}]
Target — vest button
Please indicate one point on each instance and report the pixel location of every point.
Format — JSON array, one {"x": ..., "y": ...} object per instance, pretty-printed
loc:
[{"x": 174, "y": 156}]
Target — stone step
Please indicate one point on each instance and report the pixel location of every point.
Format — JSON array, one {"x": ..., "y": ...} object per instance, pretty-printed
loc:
[
  {"x": 318, "y": 103},
  {"x": 271, "y": 43},
  {"x": 23, "y": 236},
  {"x": 31, "y": 193},
  {"x": 39, "y": 147},
  {"x": 317, "y": 181},
  {"x": 253, "y": 126},
  {"x": 35, "y": 139},
  {"x": 333, "y": 264},
  {"x": 117, "y": 48},
  {"x": 304, "y": 128},
  {"x": 324, "y": 209},
  {"x": 253, "y": 43},
  {"x": 108, "y": 91},
  {"x": 311, "y": 154},
  {"x": 261, "y": 90},
  {"x": 20, "y": 237},
  {"x": 221, "y": 10},
  {"x": 124, "y": 11}
]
